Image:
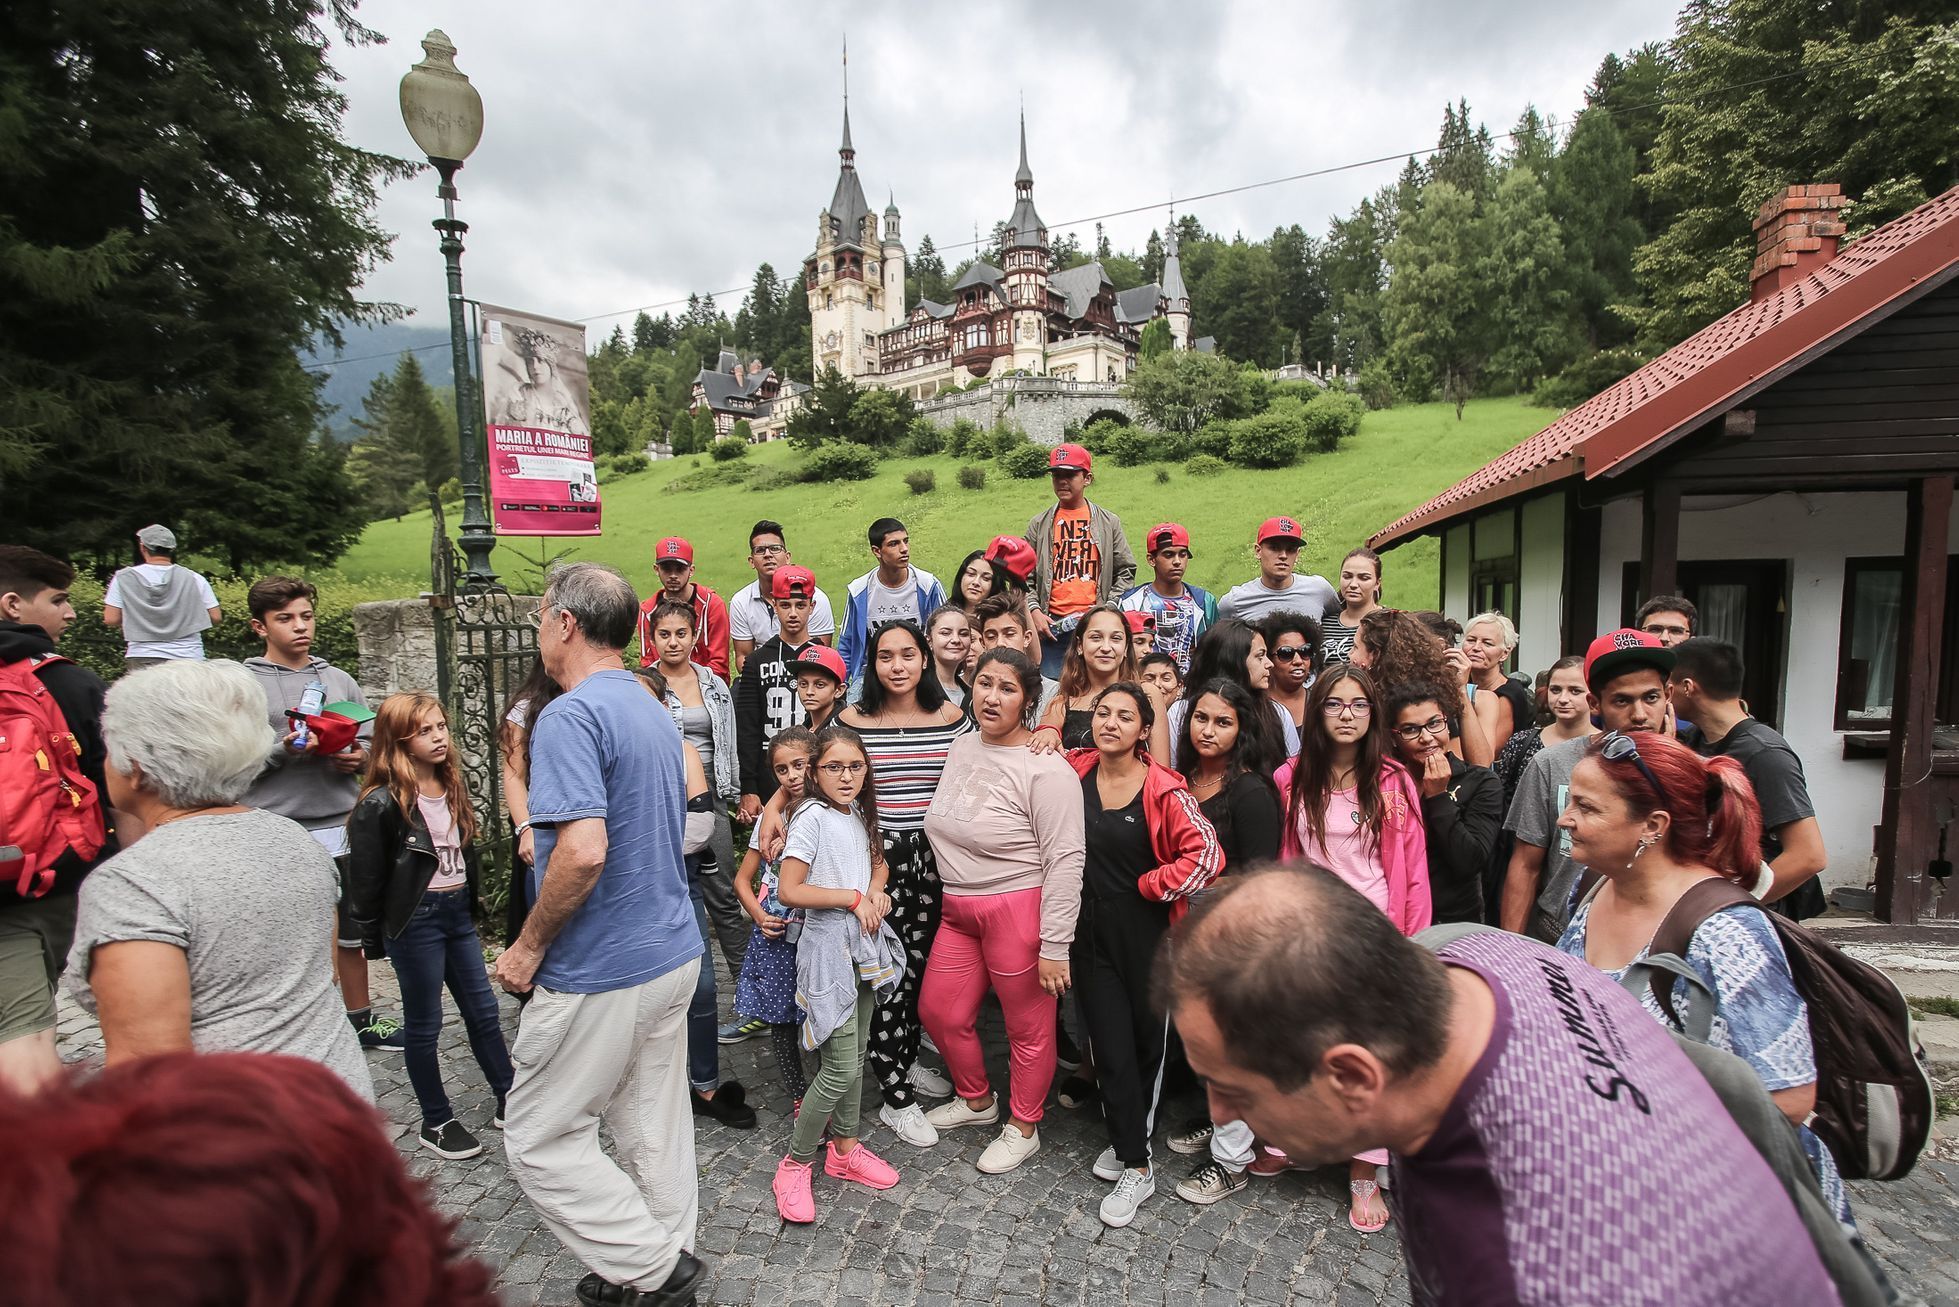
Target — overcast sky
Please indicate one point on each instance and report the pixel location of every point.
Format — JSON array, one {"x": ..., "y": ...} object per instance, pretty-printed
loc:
[{"x": 635, "y": 152}]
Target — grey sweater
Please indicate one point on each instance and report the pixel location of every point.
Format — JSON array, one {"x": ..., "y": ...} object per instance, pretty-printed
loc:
[{"x": 304, "y": 787}]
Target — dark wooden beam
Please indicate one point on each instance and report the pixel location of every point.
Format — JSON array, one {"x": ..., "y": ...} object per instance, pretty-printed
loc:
[
  {"x": 1659, "y": 540},
  {"x": 1907, "y": 832}
]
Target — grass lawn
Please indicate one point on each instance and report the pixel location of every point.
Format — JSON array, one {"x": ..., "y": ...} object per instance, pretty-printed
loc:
[{"x": 1400, "y": 458}]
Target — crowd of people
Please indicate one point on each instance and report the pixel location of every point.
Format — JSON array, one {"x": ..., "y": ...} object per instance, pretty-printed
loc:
[{"x": 1180, "y": 840}]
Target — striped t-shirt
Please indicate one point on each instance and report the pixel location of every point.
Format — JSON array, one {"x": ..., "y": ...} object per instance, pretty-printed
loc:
[{"x": 906, "y": 762}]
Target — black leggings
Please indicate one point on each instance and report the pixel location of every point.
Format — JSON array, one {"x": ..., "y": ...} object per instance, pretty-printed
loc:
[
  {"x": 913, "y": 885},
  {"x": 786, "y": 1040}
]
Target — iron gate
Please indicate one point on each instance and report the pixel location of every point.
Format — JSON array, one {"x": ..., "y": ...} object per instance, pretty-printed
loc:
[{"x": 485, "y": 644}]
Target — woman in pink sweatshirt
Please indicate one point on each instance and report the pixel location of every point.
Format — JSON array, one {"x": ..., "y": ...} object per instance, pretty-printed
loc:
[
  {"x": 1005, "y": 826},
  {"x": 1351, "y": 808}
]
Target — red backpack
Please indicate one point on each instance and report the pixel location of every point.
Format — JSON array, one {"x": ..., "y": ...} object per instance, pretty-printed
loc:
[{"x": 47, "y": 806}]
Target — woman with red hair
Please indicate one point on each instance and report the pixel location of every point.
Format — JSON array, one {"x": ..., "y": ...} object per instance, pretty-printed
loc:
[
  {"x": 247, "y": 1179},
  {"x": 1652, "y": 819}
]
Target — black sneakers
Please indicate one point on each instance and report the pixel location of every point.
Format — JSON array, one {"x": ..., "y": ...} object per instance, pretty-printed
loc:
[
  {"x": 678, "y": 1291},
  {"x": 728, "y": 1105},
  {"x": 450, "y": 1140},
  {"x": 378, "y": 1032}
]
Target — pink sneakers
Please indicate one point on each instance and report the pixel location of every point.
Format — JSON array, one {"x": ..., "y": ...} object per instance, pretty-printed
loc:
[
  {"x": 793, "y": 1201},
  {"x": 859, "y": 1164}
]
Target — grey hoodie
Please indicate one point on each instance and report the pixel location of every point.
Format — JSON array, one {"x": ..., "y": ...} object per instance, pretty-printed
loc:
[{"x": 304, "y": 787}]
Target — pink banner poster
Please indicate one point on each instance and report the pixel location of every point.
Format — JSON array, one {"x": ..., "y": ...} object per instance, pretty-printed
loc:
[{"x": 537, "y": 401}]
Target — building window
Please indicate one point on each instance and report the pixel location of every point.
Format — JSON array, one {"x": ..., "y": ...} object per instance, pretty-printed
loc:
[{"x": 1867, "y": 652}]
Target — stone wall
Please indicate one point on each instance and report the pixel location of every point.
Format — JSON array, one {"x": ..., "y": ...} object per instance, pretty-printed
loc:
[
  {"x": 1041, "y": 406},
  {"x": 397, "y": 641}
]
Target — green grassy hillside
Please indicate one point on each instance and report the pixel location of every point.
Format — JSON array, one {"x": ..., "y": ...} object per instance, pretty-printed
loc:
[{"x": 1400, "y": 458}]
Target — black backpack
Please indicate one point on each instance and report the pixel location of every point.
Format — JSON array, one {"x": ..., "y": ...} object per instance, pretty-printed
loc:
[{"x": 1873, "y": 1093}]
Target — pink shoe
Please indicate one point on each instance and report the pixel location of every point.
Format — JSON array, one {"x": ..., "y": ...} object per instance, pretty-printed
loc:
[
  {"x": 793, "y": 1201},
  {"x": 859, "y": 1164}
]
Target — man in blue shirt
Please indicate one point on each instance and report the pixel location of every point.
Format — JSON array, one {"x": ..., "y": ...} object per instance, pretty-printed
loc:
[{"x": 610, "y": 955}]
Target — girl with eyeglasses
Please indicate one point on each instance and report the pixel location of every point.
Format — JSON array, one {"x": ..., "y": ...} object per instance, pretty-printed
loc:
[
  {"x": 846, "y": 957},
  {"x": 1292, "y": 639},
  {"x": 1653, "y": 819},
  {"x": 1355, "y": 811}
]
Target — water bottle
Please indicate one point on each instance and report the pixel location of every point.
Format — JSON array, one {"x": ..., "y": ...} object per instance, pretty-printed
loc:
[{"x": 311, "y": 700}]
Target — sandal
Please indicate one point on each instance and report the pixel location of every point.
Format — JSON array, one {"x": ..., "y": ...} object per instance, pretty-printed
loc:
[{"x": 1362, "y": 1190}]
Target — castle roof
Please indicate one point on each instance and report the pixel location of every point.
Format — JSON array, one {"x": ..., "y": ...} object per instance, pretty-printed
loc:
[
  {"x": 1173, "y": 273},
  {"x": 1078, "y": 287},
  {"x": 980, "y": 274},
  {"x": 848, "y": 208},
  {"x": 1138, "y": 303},
  {"x": 1029, "y": 232}
]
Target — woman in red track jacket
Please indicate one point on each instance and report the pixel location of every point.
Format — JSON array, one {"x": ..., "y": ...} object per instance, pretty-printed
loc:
[{"x": 1149, "y": 848}]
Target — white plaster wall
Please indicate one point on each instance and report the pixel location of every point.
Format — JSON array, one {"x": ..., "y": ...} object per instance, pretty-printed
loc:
[
  {"x": 1815, "y": 533},
  {"x": 1455, "y": 573},
  {"x": 1540, "y": 589}
]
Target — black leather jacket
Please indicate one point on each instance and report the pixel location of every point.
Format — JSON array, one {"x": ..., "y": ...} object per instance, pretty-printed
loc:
[{"x": 391, "y": 861}]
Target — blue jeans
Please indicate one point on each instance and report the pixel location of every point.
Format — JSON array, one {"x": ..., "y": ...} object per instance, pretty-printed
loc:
[
  {"x": 1052, "y": 653},
  {"x": 703, "y": 1046},
  {"x": 439, "y": 946}
]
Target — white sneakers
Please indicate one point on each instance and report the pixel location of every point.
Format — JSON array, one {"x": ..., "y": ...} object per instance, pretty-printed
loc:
[
  {"x": 1009, "y": 1150},
  {"x": 1132, "y": 1187},
  {"x": 1108, "y": 1166},
  {"x": 928, "y": 1082},
  {"x": 909, "y": 1124},
  {"x": 948, "y": 1116}
]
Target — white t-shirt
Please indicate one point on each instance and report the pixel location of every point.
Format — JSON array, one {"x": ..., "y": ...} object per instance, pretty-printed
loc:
[
  {"x": 450, "y": 872},
  {"x": 751, "y": 618},
  {"x": 900, "y": 605},
  {"x": 191, "y": 646}
]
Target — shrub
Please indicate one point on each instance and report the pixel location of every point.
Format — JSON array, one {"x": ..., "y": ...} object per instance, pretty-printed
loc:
[
  {"x": 1024, "y": 462},
  {"x": 1096, "y": 435},
  {"x": 724, "y": 451},
  {"x": 923, "y": 439},
  {"x": 1004, "y": 438},
  {"x": 972, "y": 478},
  {"x": 1130, "y": 447},
  {"x": 1376, "y": 385},
  {"x": 627, "y": 465},
  {"x": 922, "y": 482},
  {"x": 1205, "y": 465},
  {"x": 772, "y": 478},
  {"x": 1585, "y": 378},
  {"x": 962, "y": 437},
  {"x": 1331, "y": 416},
  {"x": 451, "y": 492},
  {"x": 1213, "y": 438},
  {"x": 1275, "y": 438},
  {"x": 840, "y": 461},
  {"x": 1163, "y": 476}
]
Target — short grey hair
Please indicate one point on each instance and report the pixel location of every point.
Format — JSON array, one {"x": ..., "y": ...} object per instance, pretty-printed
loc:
[
  {"x": 199, "y": 731},
  {"x": 1506, "y": 629},
  {"x": 603, "y": 601}
]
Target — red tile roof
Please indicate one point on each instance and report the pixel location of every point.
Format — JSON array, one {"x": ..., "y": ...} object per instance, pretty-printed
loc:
[{"x": 1742, "y": 352}]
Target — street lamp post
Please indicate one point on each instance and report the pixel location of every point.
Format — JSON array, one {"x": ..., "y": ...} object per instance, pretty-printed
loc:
[{"x": 444, "y": 114}]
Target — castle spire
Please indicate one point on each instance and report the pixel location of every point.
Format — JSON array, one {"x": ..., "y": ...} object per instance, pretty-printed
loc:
[
  {"x": 846, "y": 150},
  {"x": 1025, "y": 177}
]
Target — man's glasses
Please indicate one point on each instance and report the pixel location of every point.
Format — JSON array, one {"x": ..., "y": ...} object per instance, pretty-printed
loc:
[
  {"x": 844, "y": 768},
  {"x": 1661, "y": 628},
  {"x": 768, "y": 551},
  {"x": 1286, "y": 653},
  {"x": 1617, "y": 746},
  {"x": 1347, "y": 708},
  {"x": 1436, "y": 726}
]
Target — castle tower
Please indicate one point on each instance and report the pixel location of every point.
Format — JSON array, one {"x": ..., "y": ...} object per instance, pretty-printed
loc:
[
  {"x": 894, "y": 267},
  {"x": 843, "y": 278},
  {"x": 1176, "y": 300},
  {"x": 1025, "y": 254}
]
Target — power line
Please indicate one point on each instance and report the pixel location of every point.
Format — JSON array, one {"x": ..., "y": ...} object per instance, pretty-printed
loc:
[{"x": 1171, "y": 204}]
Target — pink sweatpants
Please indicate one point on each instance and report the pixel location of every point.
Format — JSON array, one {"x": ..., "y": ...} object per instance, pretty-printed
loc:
[{"x": 991, "y": 940}]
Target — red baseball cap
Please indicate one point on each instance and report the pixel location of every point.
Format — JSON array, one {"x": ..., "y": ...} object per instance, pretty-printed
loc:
[
  {"x": 1139, "y": 622},
  {"x": 1070, "y": 458},
  {"x": 672, "y": 547},
  {"x": 1165, "y": 535},
  {"x": 788, "y": 578},
  {"x": 1014, "y": 554},
  {"x": 331, "y": 732},
  {"x": 1617, "y": 652},
  {"x": 1281, "y": 528},
  {"x": 814, "y": 657}
]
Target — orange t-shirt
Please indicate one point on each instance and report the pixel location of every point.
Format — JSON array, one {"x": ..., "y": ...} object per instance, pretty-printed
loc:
[{"x": 1076, "y": 575}]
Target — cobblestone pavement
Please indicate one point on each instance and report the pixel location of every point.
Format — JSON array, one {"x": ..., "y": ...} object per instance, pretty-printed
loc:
[{"x": 948, "y": 1236}]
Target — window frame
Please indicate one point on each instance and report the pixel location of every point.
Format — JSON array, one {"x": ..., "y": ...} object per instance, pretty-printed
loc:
[{"x": 1945, "y": 707}]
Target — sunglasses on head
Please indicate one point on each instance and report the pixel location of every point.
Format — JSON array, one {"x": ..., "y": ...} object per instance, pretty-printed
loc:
[{"x": 1617, "y": 746}]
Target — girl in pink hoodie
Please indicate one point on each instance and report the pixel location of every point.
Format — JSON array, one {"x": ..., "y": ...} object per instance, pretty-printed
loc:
[{"x": 1351, "y": 808}]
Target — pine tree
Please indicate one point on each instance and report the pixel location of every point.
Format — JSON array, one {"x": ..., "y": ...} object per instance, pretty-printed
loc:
[
  {"x": 1433, "y": 309},
  {"x": 643, "y": 334},
  {"x": 1595, "y": 200},
  {"x": 704, "y": 430},
  {"x": 825, "y": 412},
  {"x": 1526, "y": 283},
  {"x": 1156, "y": 339},
  {"x": 1532, "y": 144},
  {"x": 1102, "y": 247},
  {"x": 681, "y": 434},
  {"x": 179, "y": 218},
  {"x": 386, "y": 462},
  {"x": 1153, "y": 258},
  {"x": 1464, "y": 155},
  {"x": 926, "y": 273}
]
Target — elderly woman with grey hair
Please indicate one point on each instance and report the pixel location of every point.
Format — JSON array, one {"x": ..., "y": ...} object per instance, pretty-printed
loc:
[
  {"x": 1503, "y": 704},
  {"x": 215, "y": 930}
]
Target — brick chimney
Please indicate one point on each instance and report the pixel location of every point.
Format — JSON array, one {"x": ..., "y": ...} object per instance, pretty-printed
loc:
[{"x": 1796, "y": 233}]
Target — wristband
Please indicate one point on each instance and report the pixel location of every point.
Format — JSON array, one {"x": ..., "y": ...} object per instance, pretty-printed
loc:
[
  {"x": 521, "y": 828},
  {"x": 856, "y": 899}
]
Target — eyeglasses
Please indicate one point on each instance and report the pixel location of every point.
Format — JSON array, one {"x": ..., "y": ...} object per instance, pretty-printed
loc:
[
  {"x": 1286, "y": 653},
  {"x": 1436, "y": 726},
  {"x": 1661, "y": 628},
  {"x": 1617, "y": 746},
  {"x": 767, "y": 551},
  {"x": 1347, "y": 708},
  {"x": 844, "y": 768},
  {"x": 536, "y": 616}
]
